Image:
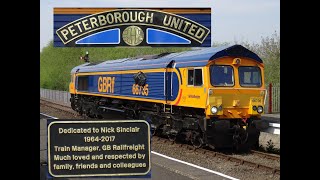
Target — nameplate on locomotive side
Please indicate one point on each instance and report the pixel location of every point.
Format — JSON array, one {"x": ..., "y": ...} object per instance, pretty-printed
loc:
[
  {"x": 103, "y": 27},
  {"x": 98, "y": 148}
]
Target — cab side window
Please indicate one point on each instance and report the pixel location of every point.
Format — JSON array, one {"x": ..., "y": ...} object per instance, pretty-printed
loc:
[
  {"x": 190, "y": 76},
  {"x": 195, "y": 77}
]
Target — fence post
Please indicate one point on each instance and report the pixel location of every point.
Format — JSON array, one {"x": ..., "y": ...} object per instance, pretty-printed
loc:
[{"x": 270, "y": 99}]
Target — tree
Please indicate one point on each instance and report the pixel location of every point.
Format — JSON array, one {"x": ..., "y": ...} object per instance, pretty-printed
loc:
[{"x": 269, "y": 51}]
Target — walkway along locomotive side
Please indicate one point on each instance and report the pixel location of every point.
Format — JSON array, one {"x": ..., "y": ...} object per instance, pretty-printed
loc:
[{"x": 212, "y": 96}]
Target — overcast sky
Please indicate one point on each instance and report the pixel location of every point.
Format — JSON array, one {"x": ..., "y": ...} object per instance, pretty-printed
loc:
[{"x": 241, "y": 20}]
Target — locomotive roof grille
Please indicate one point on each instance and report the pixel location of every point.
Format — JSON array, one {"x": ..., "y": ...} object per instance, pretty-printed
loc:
[{"x": 191, "y": 58}]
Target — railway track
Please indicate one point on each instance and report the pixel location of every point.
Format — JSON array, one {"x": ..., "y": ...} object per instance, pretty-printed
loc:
[
  {"x": 206, "y": 152},
  {"x": 57, "y": 106},
  {"x": 266, "y": 155},
  {"x": 227, "y": 157}
]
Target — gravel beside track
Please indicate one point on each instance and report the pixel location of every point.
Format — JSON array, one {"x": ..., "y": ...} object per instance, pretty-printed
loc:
[
  {"x": 215, "y": 163},
  {"x": 58, "y": 113}
]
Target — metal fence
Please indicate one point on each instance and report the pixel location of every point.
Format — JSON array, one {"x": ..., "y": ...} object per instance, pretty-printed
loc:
[
  {"x": 55, "y": 95},
  {"x": 274, "y": 90},
  {"x": 64, "y": 96}
]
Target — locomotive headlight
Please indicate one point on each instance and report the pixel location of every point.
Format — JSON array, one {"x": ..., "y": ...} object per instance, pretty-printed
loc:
[
  {"x": 214, "y": 110},
  {"x": 236, "y": 61},
  {"x": 260, "y": 109}
]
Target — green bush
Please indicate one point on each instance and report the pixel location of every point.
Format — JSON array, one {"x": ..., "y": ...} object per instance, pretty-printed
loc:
[
  {"x": 270, "y": 148},
  {"x": 56, "y": 63}
]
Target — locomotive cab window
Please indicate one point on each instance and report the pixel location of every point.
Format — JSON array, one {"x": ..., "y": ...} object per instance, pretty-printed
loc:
[
  {"x": 195, "y": 77},
  {"x": 83, "y": 83},
  {"x": 250, "y": 76},
  {"x": 221, "y": 75}
]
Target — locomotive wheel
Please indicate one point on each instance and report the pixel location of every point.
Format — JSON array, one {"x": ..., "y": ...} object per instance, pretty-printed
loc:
[
  {"x": 154, "y": 131},
  {"x": 148, "y": 118},
  {"x": 172, "y": 137},
  {"x": 249, "y": 141},
  {"x": 241, "y": 142},
  {"x": 90, "y": 113},
  {"x": 242, "y": 148},
  {"x": 196, "y": 140},
  {"x": 158, "y": 131}
]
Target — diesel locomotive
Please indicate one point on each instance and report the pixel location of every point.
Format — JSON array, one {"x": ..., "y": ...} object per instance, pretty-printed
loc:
[{"x": 210, "y": 97}]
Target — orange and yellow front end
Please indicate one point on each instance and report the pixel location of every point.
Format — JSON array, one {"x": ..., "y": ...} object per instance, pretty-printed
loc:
[
  {"x": 235, "y": 101},
  {"x": 236, "y": 89},
  {"x": 72, "y": 90}
]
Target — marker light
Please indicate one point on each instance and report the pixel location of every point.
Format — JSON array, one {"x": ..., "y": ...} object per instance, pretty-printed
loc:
[
  {"x": 254, "y": 108},
  {"x": 210, "y": 92}
]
